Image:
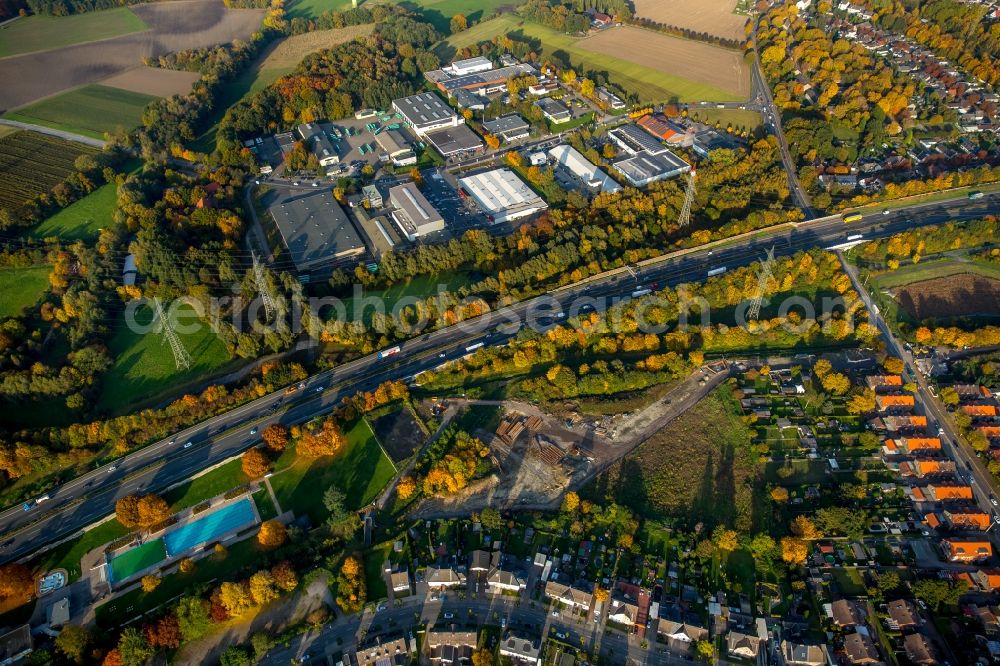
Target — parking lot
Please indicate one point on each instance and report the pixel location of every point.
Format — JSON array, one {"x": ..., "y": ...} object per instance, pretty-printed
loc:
[{"x": 459, "y": 214}]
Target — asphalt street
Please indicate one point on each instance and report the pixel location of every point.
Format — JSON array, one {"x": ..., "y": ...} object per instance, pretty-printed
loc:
[{"x": 79, "y": 503}]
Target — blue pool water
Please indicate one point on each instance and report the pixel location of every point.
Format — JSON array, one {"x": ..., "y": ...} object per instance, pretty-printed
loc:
[{"x": 205, "y": 529}]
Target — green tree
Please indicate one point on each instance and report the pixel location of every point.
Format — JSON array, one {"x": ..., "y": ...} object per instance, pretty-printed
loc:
[
  {"x": 135, "y": 650},
  {"x": 491, "y": 518},
  {"x": 193, "y": 618},
  {"x": 938, "y": 594},
  {"x": 888, "y": 581},
  {"x": 235, "y": 655},
  {"x": 333, "y": 500},
  {"x": 72, "y": 641}
]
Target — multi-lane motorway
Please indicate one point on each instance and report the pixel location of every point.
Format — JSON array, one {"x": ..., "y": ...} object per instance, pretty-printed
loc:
[{"x": 90, "y": 497}]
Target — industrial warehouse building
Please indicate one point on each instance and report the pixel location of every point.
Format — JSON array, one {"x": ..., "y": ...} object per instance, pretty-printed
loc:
[
  {"x": 502, "y": 196},
  {"x": 426, "y": 112},
  {"x": 318, "y": 143},
  {"x": 633, "y": 140},
  {"x": 573, "y": 161},
  {"x": 396, "y": 147},
  {"x": 316, "y": 230},
  {"x": 413, "y": 214},
  {"x": 454, "y": 141},
  {"x": 509, "y": 128},
  {"x": 469, "y": 66},
  {"x": 554, "y": 110},
  {"x": 644, "y": 168},
  {"x": 479, "y": 83}
]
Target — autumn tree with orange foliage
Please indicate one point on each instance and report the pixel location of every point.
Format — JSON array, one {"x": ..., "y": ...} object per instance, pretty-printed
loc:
[
  {"x": 351, "y": 590},
  {"x": 272, "y": 534},
  {"x": 406, "y": 487},
  {"x": 16, "y": 581},
  {"x": 323, "y": 440},
  {"x": 255, "y": 464},
  {"x": 275, "y": 437}
]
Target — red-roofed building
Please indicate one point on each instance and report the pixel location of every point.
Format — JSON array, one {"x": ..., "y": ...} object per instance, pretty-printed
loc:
[
  {"x": 662, "y": 129},
  {"x": 966, "y": 551}
]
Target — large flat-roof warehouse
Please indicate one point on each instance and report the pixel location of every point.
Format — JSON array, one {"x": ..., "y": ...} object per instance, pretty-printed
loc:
[
  {"x": 583, "y": 169},
  {"x": 454, "y": 140},
  {"x": 644, "y": 168},
  {"x": 316, "y": 230},
  {"x": 502, "y": 195},
  {"x": 414, "y": 214},
  {"x": 425, "y": 112}
]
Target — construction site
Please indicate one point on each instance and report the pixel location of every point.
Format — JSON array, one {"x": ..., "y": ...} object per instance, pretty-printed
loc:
[{"x": 537, "y": 456}]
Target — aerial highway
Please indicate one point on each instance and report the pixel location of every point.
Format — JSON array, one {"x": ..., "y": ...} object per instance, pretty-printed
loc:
[{"x": 90, "y": 497}]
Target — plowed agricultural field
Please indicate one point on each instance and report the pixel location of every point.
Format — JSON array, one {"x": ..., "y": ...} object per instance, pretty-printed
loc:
[
  {"x": 709, "y": 65},
  {"x": 32, "y": 163},
  {"x": 714, "y": 17},
  {"x": 173, "y": 26},
  {"x": 951, "y": 296}
]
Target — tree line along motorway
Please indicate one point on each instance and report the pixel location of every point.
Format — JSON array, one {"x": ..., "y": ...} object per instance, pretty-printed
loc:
[{"x": 85, "y": 500}]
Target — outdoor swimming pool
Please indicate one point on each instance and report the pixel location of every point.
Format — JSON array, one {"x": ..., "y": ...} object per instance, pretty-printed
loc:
[{"x": 228, "y": 518}]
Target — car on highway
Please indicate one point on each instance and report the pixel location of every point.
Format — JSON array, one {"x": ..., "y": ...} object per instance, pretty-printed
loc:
[
  {"x": 188, "y": 444},
  {"x": 993, "y": 501},
  {"x": 253, "y": 431},
  {"x": 112, "y": 468},
  {"x": 319, "y": 389},
  {"x": 449, "y": 616}
]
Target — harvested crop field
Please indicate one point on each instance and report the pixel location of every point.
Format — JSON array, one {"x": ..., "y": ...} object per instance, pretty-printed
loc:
[
  {"x": 183, "y": 24},
  {"x": 952, "y": 296},
  {"x": 290, "y": 51},
  {"x": 153, "y": 81},
  {"x": 715, "y": 17},
  {"x": 720, "y": 68},
  {"x": 32, "y": 163},
  {"x": 43, "y": 33}
]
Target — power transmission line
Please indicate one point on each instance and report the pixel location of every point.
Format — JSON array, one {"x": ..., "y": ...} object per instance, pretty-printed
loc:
[
  {"x": 763, "y": 275},
  {"x": 181, "y": 357},
  {"x": 685, "y": 216}
]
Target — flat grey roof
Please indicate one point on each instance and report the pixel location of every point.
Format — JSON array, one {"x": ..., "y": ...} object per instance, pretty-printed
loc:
[
  {"x": 452, "y": 140},
  {"x": 506, "y": 124},
  {"x": 378, "y": 231},
  {"x": 552, "y": 107},
  {"x": 424, "y": 108},
  {"x": 414, "y": 205},
  {"x": 644, "y": 166},
  {"x": 639, "y": 139},
  {"x": 481, "y": 79},
  {"x": 316, "y": 229}
]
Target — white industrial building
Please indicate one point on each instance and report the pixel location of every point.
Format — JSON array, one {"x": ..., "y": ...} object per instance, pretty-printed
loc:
[
  {"x": 502, "y": 196},
  {"x": 583, "y": 169},
  {"x": 426, "y": 112},
  {"x": 412, "y": 213},
  {"x": 469, "y": 66},
  {"x": 644, "y": 168}
]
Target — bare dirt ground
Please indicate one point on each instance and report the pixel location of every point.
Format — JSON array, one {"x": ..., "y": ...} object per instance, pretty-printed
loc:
[
  {"x": 711, "y": 65},
  {"x": 153, "y": 81},
  {"x": 289, "y": 51},
  {"x": 399, "y": 434},
  {"x": 715, "y": 17},
  {"x": 951, "y": 296},
  {"x": 182, "y": 24}
]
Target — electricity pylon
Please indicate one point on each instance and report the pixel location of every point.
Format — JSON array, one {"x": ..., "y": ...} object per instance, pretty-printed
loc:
[
  {"x": 181, "y": 357},
  {"x": 763, "y": 275},
  {"x": 260, "y": 280}
]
